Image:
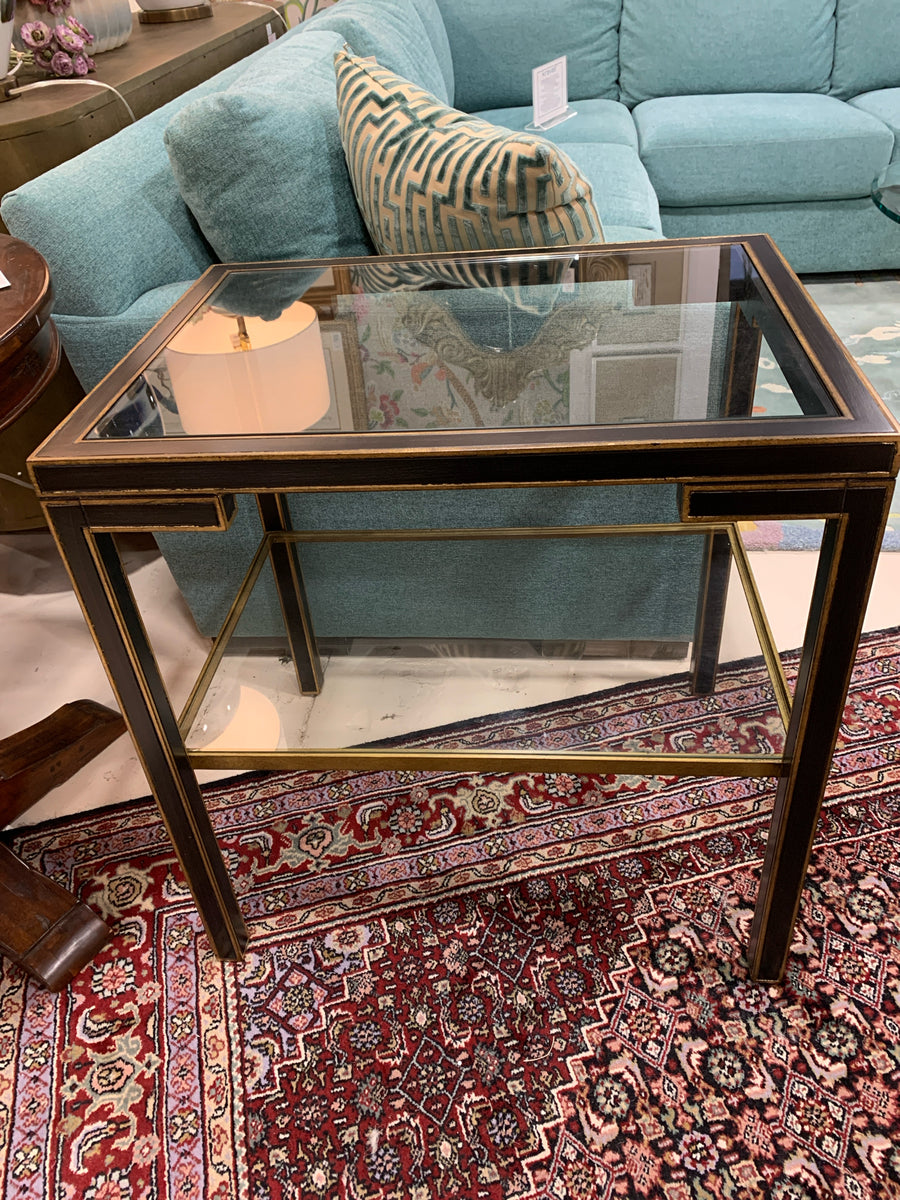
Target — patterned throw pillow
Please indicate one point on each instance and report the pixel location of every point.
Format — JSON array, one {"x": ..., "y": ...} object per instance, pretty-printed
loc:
[{"x": 429, "y": 179}]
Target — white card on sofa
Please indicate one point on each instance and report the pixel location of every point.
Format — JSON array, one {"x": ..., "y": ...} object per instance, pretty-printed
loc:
[{"x": 550, "y": 94}]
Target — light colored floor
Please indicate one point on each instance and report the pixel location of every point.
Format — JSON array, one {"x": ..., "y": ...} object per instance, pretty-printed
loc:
[{"x": 49, "y": 658}]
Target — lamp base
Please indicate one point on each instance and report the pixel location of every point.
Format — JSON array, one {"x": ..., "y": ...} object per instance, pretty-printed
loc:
[{"x": 158, "y": 16}]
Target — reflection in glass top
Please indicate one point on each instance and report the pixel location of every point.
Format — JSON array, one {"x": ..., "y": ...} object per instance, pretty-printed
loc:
[
  {"x": 636, "y": 337},
  {"x": 886, "y": 191}
]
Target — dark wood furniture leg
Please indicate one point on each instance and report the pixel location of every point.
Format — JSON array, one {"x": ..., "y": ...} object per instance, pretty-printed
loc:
[{"x": 43, "y": 927}]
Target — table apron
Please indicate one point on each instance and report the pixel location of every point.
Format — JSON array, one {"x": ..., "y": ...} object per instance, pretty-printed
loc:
[{"x": 722, "y": 502}]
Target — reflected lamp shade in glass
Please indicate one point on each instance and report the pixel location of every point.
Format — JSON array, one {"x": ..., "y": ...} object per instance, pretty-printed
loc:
[{"x": 245, "y": 375}]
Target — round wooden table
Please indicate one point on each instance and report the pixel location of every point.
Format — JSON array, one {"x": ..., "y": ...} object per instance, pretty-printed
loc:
[
  {"x": 29, "y": 343},
  {"x": 37, "y": 386}
]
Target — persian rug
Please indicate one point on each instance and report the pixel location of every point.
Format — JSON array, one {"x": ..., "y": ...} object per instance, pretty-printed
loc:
[
  {"x": 866, "y": 316},
  {"x": 475, "y": 987}
]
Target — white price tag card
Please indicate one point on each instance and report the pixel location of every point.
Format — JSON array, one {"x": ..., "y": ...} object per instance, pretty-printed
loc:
[
  {"x": 4, "y": 282},
  {"x": 550, "y": 94}
]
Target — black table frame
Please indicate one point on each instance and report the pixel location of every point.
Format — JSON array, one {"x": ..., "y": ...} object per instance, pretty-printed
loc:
[{"x": 839, "y": 468}]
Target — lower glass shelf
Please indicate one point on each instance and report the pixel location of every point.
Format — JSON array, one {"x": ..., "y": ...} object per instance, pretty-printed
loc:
[{"x": 493, "y": 703}]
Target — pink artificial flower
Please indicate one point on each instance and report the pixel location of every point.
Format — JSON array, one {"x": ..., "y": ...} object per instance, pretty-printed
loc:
[
  {"x": 68, "y": 39},
  {"x": 80, "y": 64},
  {"x": 36, "y": 35},
  {"x": 58, "y": 6},
  {"x": 85, "y": 34},
  {"x": 43, "y": 57},
  {"x": 61, "y": 65}
]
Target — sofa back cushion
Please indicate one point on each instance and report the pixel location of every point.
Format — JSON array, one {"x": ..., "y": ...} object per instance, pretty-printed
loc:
[
  {"x": 406, "y": 36},
  {"x": 718, "y": 46},
  {"x": 497, "y": 43},
  {"x": 260, "y": 164},
  {"x": 866, "y": 48},
  {"x": 430, "y": 179},
  {"x": 433, "y": 20}
]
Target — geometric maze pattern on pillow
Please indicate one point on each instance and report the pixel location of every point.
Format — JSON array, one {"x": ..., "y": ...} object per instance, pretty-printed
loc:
[{"x": 431, "y": 179}]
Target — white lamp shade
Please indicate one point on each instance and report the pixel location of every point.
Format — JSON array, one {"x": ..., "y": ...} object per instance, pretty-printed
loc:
[{"x": 279, "y": 385}]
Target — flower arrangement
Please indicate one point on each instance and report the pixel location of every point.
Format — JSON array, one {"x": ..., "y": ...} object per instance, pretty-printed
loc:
[{"x": 61, "y": 50}]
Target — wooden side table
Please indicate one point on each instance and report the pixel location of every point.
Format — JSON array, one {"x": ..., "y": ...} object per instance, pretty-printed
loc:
[
  {"x": 38, "y": 388},
  {"x": 40, "y": 129}
]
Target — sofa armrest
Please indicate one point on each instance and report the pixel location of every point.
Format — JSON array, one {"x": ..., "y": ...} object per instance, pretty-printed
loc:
[{"x": 111, "y": 222}]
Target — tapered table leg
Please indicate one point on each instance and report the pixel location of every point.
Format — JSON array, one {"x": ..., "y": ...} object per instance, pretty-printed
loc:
[
  {"x": 43, "y": 928},
  {"x": 46, "y": 754},
  {"x": 109, "y": 606}
]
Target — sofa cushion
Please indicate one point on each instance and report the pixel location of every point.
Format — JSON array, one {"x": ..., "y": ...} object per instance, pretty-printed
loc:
[
  {"x": 713, "y": 46},
  {"x": 885, "y": 105},
  {"x": 866, "y": 47},
  {"x": 393, "y": 33},
  {"x": 630, "y": 233},
  {"x": 125, "y": 183},
  {"x": 751, "y": 148},
  {"x": 623, "y": 193},
  {"x": 594, "y": 121},
  {"x": 833, "y": 235},
  {"x": 497, "y": 45},
  {"x": 428, "y": 178},
  {"x": 260, "y": 164}
]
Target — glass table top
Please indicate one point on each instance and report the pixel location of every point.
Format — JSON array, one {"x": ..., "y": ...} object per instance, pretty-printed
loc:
[
  {"x": 886, "y": 191},
  {"x": 673, "y": 332}
]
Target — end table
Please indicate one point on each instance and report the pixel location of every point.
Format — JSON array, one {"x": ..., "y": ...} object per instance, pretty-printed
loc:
[{"x": 38, "y": 388}]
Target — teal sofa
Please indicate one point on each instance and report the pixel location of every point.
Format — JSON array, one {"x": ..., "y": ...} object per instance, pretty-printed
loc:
[{"x": 714, "y": 117}]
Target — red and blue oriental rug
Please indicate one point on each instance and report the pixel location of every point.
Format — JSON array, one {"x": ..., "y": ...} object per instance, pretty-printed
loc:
[{"x": 479, "y": 987}]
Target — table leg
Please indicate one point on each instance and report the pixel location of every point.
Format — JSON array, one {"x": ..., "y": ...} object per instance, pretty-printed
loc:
[
  {"x": 106, "y": 598},
  {"x": 711, "y": 613},
  {"x": 43, "y": 927},
  {"x": 846, "y": 566},
  {"x": 292, "y": 596}
]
